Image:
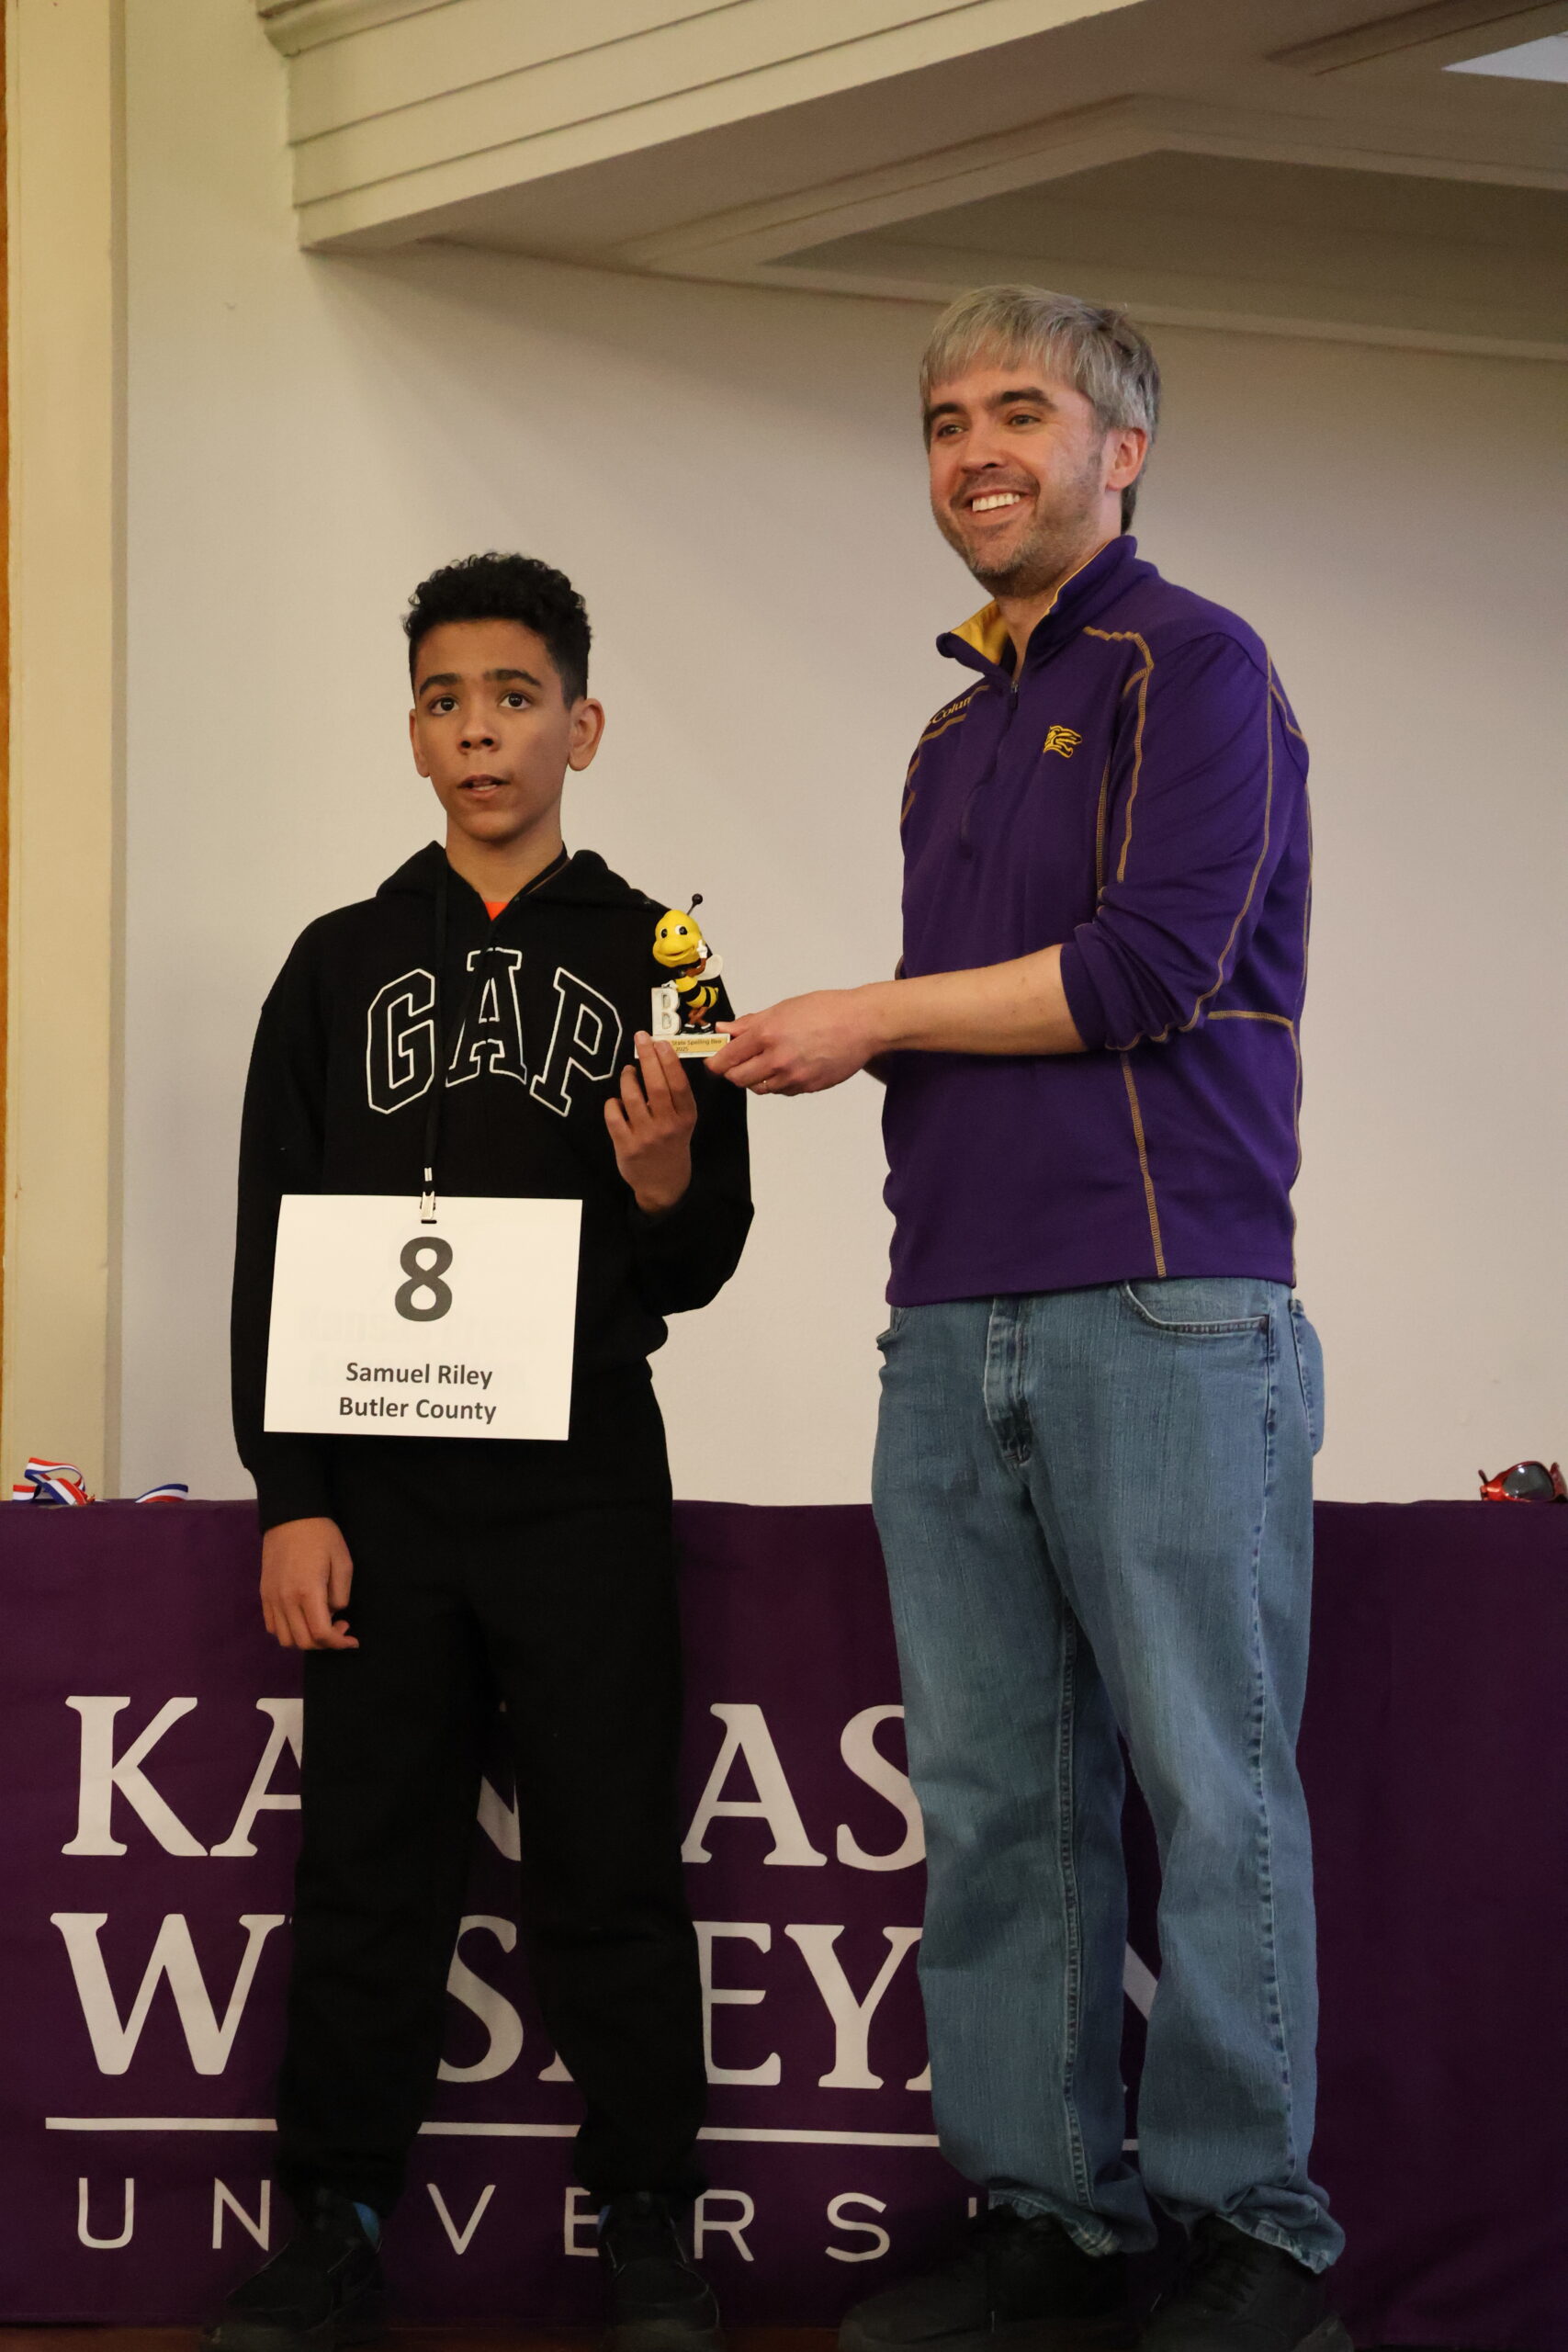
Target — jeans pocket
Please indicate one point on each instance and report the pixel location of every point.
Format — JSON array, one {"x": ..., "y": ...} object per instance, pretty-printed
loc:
[
  {"x": 1309, "y": 1363},
  {"x": 1201, "y": 1306},
  {"x": 895, "y": 1322}
]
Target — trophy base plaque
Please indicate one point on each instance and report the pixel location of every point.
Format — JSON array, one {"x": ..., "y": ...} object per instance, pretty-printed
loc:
[{"x": 668, "y": 1024}]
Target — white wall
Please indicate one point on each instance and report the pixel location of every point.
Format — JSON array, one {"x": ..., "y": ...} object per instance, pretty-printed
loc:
[{"x": 735, "y": 480}]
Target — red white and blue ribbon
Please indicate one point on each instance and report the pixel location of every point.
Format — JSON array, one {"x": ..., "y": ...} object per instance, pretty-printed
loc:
[
  {"x": 51, "y": 1482},
  {"x": 61, "y": 1482}
]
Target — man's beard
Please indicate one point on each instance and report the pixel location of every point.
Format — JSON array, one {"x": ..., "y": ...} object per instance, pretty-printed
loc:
[{"x": 1047, "y": 549}]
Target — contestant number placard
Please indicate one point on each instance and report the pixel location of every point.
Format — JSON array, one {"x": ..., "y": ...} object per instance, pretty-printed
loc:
[{"x": 382, "y": 1326}]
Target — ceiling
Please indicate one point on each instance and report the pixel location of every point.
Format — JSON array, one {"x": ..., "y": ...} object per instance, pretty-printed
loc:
[
  {"x": 1303, "y": 166},
  {"x": 1221, "y": 237}
]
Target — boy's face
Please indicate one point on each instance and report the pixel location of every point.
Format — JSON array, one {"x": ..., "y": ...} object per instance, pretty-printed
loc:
[{"x": 493, "y": 729}]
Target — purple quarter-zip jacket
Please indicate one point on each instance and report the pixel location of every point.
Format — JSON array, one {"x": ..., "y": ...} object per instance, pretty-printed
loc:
[{"x": 1138, "y": 794}]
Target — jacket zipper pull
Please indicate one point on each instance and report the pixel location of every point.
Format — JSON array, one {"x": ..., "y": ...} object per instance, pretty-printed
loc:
[{"x": 427, "y": 1199}]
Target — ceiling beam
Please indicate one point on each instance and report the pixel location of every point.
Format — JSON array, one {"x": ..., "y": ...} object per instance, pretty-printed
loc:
[
  {"x": 1452, "y": 23},
  {"x": 751, "y": 237},
  {"x": 398, "y": 108}
]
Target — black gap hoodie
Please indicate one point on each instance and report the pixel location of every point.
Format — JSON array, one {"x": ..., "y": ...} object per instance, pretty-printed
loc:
[{"x": 337, "y": 1099}]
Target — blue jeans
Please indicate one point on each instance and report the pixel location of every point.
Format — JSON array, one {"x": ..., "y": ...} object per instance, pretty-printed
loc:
[{"x": 1096, "y": 1508}]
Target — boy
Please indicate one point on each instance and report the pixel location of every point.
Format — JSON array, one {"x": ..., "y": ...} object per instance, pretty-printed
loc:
[{"x": 423, "y": 1574}]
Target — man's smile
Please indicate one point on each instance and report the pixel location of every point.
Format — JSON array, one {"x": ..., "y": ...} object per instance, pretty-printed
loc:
[{"x": 991, "y": 499}]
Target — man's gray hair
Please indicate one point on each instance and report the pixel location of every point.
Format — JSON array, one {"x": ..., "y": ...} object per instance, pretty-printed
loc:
[{"x": 1099, "y": 352}]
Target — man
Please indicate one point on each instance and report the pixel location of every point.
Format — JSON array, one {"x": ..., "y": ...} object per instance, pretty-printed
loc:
[{"x": 1100, "y": 1398}]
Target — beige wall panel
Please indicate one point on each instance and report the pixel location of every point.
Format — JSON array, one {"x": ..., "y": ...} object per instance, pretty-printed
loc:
[{"x": 63, "y": 119}]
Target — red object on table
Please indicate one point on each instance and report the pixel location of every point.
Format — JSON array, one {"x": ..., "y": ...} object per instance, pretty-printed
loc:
[{"x": 1525, "y": 1481}]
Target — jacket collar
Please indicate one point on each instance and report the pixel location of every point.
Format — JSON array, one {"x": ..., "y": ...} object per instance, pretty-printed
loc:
[{"x": 982, "y": 641}]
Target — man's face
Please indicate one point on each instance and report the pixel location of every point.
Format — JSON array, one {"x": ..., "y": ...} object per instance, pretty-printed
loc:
[
  {"x": 1022, "y": 474},
  {"x": 493, "y": 729}
]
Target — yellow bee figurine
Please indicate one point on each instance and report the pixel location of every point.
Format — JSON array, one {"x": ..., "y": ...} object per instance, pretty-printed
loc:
[{"x": 684, "y": 1004}]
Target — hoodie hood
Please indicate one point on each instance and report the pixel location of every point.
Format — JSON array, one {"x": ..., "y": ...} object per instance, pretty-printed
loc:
[{"x": 583, "y": 881}]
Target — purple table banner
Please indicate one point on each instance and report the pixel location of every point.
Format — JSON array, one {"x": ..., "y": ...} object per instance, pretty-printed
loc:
[{"x": 150, "y": 1746}]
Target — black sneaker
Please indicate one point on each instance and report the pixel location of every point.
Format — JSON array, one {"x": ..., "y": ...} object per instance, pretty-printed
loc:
[
  {"x": 322, "y": 2289},
  {"x": 1235, "y": 2294},
  {"x": 655, "y": 2299},
  {"x": 1020, "y": 2280}
]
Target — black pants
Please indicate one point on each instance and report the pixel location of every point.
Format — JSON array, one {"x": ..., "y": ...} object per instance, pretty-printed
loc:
[{"x": 563, "y": 1603}]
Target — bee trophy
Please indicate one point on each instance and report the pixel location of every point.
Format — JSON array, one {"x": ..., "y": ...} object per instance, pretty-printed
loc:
[{"x": 686, "y": 996}]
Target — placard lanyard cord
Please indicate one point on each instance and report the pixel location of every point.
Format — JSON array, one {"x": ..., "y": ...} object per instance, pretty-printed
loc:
[{"x": 438, "y": 1076}]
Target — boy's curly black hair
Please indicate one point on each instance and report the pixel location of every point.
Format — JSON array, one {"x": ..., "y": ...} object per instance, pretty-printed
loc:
[{"x": 506, "y": 588}]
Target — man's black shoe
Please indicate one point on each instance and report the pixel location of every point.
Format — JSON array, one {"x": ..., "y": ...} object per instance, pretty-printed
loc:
[
  {"x": 655, "y": 2299},
  {"x": 1020, "y": 2281},
  {"x": 1235, "y": 2294},
  {"x": 323, "y": 2289}
]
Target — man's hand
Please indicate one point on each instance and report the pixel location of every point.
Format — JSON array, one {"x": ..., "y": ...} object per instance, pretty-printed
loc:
[
  {"x": 305, "y": 1579},
  {"x": 811, "y": 1042},
  {"x": 650, "y": 1125},
  {"x": 803, "y": 1045}
]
